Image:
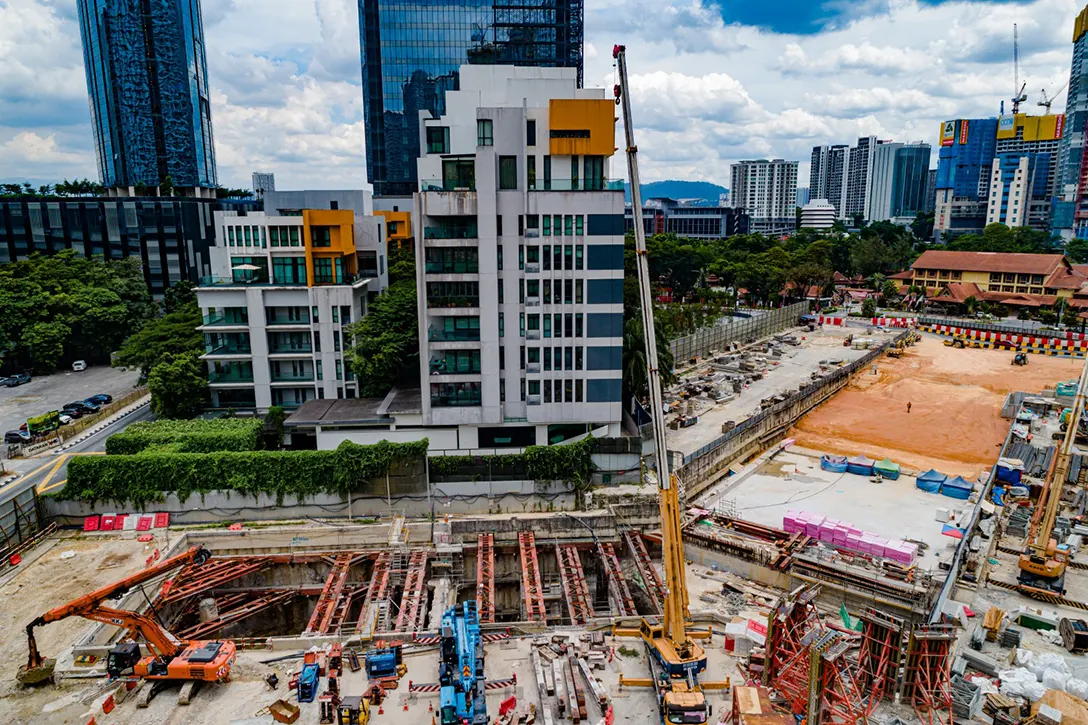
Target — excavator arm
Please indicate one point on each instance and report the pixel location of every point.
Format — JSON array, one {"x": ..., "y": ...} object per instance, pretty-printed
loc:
[{"x": 89, "y": 606}]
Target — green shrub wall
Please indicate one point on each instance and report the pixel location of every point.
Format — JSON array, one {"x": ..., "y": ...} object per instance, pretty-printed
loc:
[{"x": 188, "y": 436}]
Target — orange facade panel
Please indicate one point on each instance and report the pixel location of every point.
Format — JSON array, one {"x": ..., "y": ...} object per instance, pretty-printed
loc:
[
  {"x": 329, "y": 233},
  {"x": 581, "y": 126}
]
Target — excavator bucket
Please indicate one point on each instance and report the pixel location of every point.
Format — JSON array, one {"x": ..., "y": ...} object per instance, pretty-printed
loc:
[{"x": 39, "y": 675}]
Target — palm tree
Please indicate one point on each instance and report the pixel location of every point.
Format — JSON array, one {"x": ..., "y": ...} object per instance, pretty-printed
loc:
[{"x": 635, "y": 375}]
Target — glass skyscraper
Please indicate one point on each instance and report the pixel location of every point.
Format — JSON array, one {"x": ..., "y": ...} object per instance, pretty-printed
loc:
[
  {"x": 148, "y": 87},
  {"x": 411, "y": 53}
]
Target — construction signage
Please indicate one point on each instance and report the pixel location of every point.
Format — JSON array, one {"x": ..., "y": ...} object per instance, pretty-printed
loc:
[
  {"x": 43, "y": 423},
  {"x": 948, "y": 133},
  {"x": 963, "y": 132}
]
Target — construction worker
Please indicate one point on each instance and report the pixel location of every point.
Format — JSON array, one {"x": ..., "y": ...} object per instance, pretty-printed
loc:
[{"x": 908, "y": 406}]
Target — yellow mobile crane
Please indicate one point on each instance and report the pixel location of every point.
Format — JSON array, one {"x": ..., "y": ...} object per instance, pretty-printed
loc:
[
  {"x": 1042, "y": 565},
  {"x": 676, "y": 659}
]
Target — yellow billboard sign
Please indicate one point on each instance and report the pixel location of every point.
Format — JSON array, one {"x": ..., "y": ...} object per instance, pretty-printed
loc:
[{"x": 948, "y": 133}]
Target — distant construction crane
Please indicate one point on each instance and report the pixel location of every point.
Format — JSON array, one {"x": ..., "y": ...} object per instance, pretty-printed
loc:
[
  {"x": 1047, "y": 100},
  {"x": 1018, "y": 95}
]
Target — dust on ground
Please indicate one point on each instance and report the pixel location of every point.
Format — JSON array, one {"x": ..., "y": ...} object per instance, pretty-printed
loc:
[
  {"x": 955, "y": 422},
  {"x": 44, "y": 583}
]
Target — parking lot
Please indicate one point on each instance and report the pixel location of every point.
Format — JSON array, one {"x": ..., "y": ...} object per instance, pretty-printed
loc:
[{"x": 51, "y": 392}]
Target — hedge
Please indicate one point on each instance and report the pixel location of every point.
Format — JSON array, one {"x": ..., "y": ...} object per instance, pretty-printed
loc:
[
  {"x": 571, "y": 463},
  {"x": 147, "y": 477},
  {"x": 188, "y": 436}
]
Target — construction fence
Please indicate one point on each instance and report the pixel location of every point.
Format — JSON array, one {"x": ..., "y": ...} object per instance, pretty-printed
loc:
[
  {"x": 20, "y": 520},
  {"x": 757, "y": 432},
  {"x": 1068, "y": 345},
  {"x": 1008, "y": 328},
  {"x": 736, "y": 329}
]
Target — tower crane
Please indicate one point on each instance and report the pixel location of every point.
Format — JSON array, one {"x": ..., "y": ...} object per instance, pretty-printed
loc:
[
  {"x": 1018, "y": 95},
  {"x": 1042, "y": 565},
  {"x": 1047, "y": 100},
  {"x": 676, "y": 659},
  {"x": 170, "y": 659}
]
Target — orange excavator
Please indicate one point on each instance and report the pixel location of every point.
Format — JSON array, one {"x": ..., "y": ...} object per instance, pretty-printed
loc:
[{"x": 170, "y": 659}]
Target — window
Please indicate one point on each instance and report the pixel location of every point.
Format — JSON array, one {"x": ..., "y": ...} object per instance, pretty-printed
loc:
[
  {"x": 547, "y": 388},
  {"x": 521, "y": 225},
  {"x": 315, "y": 317},
  {"x": 547, "y": 226},
  {"x": 500, "y": 291},
  {"x": 570, "y": 325},
  {"x": 568, "y": 255},
  {"x": 320, "y": 373},
  {"x": 533, "y": 255},
  {"x": 578, "y": 324},
  {"x": 521, "y": 256},
  {"x": 335, "y": 313},
  {"x": 438, "y": 139},
  {"x": 578, "y": 292},
  {"x": 502, "y": 357},
  {"x": 532, "y": 221},
  {"x": 534, "y": 387},
  {"x": 594, "y": 173},
  {"x": 557, "y": 257},
  {"x": 568, "y": 356},
  {"x": 485, "y": 134},
  {"x": 568, "y": 225},
  {"x": 547, "y": 360},
  {"x": 498, "y": 225},
  {"x": 339, "y": 370},
  {"x": 577, "y": 391},
  {"x": 458, "y": 174},
  {"x": 568, "y": 287},
  {"x": 508, "y": 172},
  {"x": 547, "y": 255},
  {"x": 530, "y": 132},
  {"x": 521, "y": 323},
  {"x": 294, "y": 237},
  {"x": 247, "y": 233},
  {"x": 290, "y": 270},
  {"x": 320, "y": 237},
  {"x": 558, "y": 358},
  {"x": 574, "y": 172},
  {"x": 547, "y": 325},
  {"x": 532, "y": 288},
  {"x": 579, "y": 253},
  {"x": 502, "y": 326},
  {"x": 547, "y": 173},
  {"x": 230, "y": 236},
  {"x": 569, "y": 133},
  {"x": 534, "y": 323},
  {"x": 521, "y": 292},
  {"x": 558, "y": 324},
  {"x": 530, "y": 172},
  {"x": 547, "y": 289},
  {"x": 578, "y": 225},
  {"x": 568, "y": 388},
  {"x": 533, "y": 354},
  {"x": 578, "y": 358}
]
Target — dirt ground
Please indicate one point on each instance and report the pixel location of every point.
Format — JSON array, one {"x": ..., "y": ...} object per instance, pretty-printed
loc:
[
  {"x": 955, "y": 422},
  {"x": 45, "y": 583}
]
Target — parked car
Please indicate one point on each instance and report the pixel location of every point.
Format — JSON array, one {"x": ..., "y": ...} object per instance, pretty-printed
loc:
[
  {"x": 79, "y": 366},
  {"x": 16, "y": 379},
  {"x": 16, "y": 436},
  {"x": 101, "y": 399},
  {"x": 65, "y": 419},
  {"x": 72, "y": 412},
  {"x": 82, "y": 406}
]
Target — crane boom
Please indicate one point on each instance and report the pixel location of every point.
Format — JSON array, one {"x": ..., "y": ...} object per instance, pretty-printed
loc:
[{"x": 676, "y": 599}]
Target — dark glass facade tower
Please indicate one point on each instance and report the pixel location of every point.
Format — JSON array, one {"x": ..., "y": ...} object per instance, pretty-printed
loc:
[
  {"x": 148, "y": 86},
  {"x": 411, "y": 53}
]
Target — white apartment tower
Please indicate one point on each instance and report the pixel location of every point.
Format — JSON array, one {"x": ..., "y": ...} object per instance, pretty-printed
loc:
[
  {"x": 519, "y": 248},
  {"x": 286, "y": 284},
  {"x": 767, "y": 190}
]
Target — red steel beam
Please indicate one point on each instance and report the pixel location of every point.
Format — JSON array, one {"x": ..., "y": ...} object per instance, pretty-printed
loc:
[
  {"x": 617, "y": 585},
  {"x": 379, "y": 586},
  {"x": 531, "y": 589},
  {"x": 411, "y": 614},
  {"x": 579, "y": 604},
  {"x": 485, "y": 578},
  {"x": 234, "y": 608},
  {"x": 646, "y": 569},
  {"x": 192, "y": 581},
  {"x": 326, "y": 603}
]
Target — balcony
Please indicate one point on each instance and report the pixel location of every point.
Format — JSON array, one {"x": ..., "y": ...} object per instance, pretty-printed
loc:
[
  {"x": 261, "y": 281},
  {"x": 532, "y": 399},
  {"x": 453, "y": 335},
  {"x": 464, "y": 183},
  {"x": 226, "y": 318},
  {"x": 287, "y": 348},
  {"x": 533, "y": 367},
  {"x": 456, "y": 400},
  {"x": 579, "y": 185},
  {"x": 277, "y": 320},
  {"x": 219, "y": 377},
  {"x": 453, "y": 268},
  {"x": 453, "y": 301},
  {"x": 532, "y": 267},
  {"x": 532, "y": 334},
  {"x": 458, "y": 231},
  {"x": 440, "y": 367},
  {"x": 532, "y": 302},
  {"x": 292, "y": 377}
]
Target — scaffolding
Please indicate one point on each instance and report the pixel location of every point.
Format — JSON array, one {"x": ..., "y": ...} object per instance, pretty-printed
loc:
[
  {"x": 414, "y": 594},
  {"x": 836, "y": 698},
  {"x": 485, "y": 578},
  {"x": 927, "y": 682},
  {"x": 880, "y": 658},
  {"x": 579, "y": 603},
  {"x": 377, "y": 596},
  {"x": 321, "y": 617},
  {"x": 531, "y": 589},
  {"x": 789, "y": 620},
  {"x": 651, "y": 580},
  {"x": 235, "y": 607},
  {"x": 618, "y": 591}
]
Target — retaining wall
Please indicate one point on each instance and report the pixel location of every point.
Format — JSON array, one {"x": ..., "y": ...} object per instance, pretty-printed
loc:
[
  {"x": 759, "y": 431},
  {"x": 736, "y": 329}
]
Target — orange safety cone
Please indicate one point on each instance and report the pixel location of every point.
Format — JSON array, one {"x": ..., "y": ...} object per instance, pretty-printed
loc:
[
  {"x": 430, "y": 707},
  {"x": 406, "y": 706},
  {"x": 381, "y": 710}
]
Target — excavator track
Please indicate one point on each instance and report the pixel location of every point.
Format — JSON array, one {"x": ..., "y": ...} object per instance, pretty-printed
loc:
[{"x": 1039, "y": 595}]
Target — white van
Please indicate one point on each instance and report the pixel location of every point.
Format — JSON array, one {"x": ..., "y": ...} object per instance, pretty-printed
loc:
[{"x": 79, "y": 366}]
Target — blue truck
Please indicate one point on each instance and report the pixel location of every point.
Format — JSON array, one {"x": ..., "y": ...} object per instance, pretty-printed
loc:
[{"x": 461, "y": 667}]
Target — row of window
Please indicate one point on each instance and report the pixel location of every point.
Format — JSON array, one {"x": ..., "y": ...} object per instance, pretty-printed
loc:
[
  {"x": 263, "y": 237},
  {"x": 461, "y": 174},
  {"x": 554, "y": 391},
  {"x": 534, "y": 392},
  {"x": 554, "y": 358},
  {"x": 567, "y": 291},
  {"x": 559, "y": 257},
  {"x": 557, "y": 325}
]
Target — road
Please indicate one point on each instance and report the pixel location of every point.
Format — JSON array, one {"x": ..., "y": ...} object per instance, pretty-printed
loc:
[{"x": 49, "y": 471}]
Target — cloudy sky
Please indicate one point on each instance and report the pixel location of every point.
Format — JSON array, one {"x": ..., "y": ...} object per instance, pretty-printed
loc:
[{"x": 713, "y": 82}]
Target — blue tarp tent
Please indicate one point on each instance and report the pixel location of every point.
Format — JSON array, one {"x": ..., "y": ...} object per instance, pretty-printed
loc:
[
  {"x": 1009, "y": 470},
  {"x": 930, "y": 481},
  {"x": 860, "y": 465},
  {"x": 957, "y": 487},
  {"x": 829, "y": 462}
]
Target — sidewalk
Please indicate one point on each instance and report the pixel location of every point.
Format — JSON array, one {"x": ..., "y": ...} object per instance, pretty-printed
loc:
[{"x": 102, "y": 425}]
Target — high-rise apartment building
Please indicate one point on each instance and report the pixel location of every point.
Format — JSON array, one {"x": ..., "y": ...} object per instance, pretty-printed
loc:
[
  {"x": 1071, "y": 162},
  {"x": 412, "y": 54},
  {"x": 858, "y": 172},
  {"x": 802, "y": 196},
  {"x": 519, "y": 238},
  {"x": 285, "y": 286},
  {"x": 767, "y": 190},
  {"x": 827, "y": 177},
  {"x": 964, "y": 166},
  {"x": 1018, "y": 190},
  {"x": 149, "y": 97},
  {"x": 897, "y": 181}
]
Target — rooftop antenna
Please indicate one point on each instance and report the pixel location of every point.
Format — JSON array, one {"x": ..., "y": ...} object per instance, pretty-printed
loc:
[{"x": 1018, "y": 96}]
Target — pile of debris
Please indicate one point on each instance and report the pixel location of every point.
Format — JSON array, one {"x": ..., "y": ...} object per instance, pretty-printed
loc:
[{"x": 564, "y": 674}]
